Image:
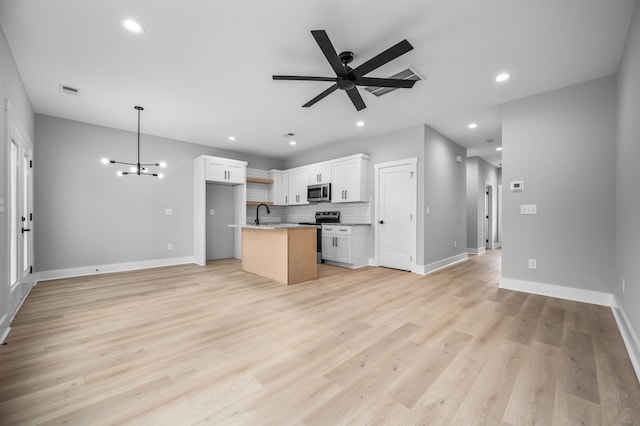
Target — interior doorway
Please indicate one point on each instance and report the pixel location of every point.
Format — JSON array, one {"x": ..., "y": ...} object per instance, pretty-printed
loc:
[
  {"x": 220, "y": 213},
  {"x": 395, "y": 217},
  {"x": 19, "y": 208}
]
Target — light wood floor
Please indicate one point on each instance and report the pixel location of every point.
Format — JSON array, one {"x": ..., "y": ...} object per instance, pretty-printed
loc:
[{"x": 215, "y": 345}]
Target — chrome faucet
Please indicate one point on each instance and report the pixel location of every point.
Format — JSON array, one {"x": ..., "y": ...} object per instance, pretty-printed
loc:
[{"x": 258, "y": 211}]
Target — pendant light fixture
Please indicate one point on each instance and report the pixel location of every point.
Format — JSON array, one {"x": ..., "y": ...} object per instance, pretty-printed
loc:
[{"x": 137, "y": 168}]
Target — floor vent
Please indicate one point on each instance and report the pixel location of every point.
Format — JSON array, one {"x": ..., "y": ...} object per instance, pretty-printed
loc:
[
  {"x": 69, "y": 90},
  {"x": 406, "y": 74}
]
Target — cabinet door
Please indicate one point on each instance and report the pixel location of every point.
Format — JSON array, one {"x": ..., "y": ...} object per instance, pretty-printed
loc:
[
  {"x": 298, "y": 186},
  {"x": 236, "y": 173},
  {"x": 216, "y": 170},
  {"x": 343, "y": 248},
  {"x": 349, "y": 181},
  {"x": 328, "y": 246},
  {"x": 320, "y": 174},
  {"x": 279, "y": 191}
]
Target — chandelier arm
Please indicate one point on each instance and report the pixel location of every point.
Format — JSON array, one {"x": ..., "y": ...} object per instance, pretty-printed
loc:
[{"x": 122, "y": 162}]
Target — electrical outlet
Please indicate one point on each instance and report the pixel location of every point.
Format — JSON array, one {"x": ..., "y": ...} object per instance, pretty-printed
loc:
[
  {"x": 533, "y": 264},
  {"x": 170, "y": 246},
  {"x": 624, "y": 284}
]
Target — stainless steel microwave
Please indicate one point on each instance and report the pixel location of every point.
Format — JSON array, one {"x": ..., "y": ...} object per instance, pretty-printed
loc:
[{"x": 320, "y": 192}]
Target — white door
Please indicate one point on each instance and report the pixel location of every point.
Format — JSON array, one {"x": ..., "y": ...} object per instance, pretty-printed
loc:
[
  {"x": 20, "y": 217},
  {"x": 396, "y": 224}
]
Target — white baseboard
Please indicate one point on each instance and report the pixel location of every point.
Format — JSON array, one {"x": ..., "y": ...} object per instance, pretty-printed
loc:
[
  {"x": 479, "y": 250},
  {"x": 114, "y": 267},
  {"x": 432, "y": 267},
  {"x": 559, "y": 291},
  {"x": 373, "y": 261},
  {"x": 629, "y": 336},
  {"x": 6, "y": 328}
]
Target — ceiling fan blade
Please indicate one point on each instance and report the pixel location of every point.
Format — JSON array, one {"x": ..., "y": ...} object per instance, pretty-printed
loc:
[
  {"x": 322, "y": 95},
  {"x": 387, "y": 56},
  {"x": 305, "y": 78},
  {"x": 385, "y": 82},
  {"x": 355, "y": 97},
  {"x": 329, "y": 52}
]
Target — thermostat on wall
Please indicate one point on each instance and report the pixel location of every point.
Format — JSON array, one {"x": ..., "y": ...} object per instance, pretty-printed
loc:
[{"x": 517, "y": 186}]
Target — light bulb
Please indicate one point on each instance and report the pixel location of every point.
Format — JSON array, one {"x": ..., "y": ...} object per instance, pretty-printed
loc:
[
  {"x": 160, "y": 175},
  {"x": 133, "y": 169},
  {"x": 119, "y": 173},
  {"x": 105, "y": 161},
  {"x": 163, "y": 164}
]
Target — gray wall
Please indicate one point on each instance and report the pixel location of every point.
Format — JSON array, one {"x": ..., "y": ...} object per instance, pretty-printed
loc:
[
  {"x": 444, "y": 189},
  {"x": 86, "y": 215},
  {"x": 562, "y": 145},
  {"x": 480, "y": 172},
  {"x": 441, "y": 181},
  {"x": 628, "y": 177},
  {"x": 11, "y": 89}
]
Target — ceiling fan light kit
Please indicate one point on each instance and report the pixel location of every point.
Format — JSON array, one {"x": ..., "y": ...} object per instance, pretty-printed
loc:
[
  {"x": 138, "y": 168},
  {"x": 347, "y": 78}
]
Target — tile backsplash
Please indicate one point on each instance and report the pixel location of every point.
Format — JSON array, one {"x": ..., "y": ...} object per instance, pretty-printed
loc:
[{"x": 349, "y": 213}]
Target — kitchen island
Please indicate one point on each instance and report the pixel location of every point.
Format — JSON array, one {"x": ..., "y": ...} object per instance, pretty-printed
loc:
[{"x": 282, "y": 252}]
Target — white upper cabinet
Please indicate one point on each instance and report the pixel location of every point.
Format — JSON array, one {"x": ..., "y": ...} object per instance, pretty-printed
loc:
[
  {"x": 320, "y": 173},
  {"x": 225, "y": 170},
  {"x": 298, "y": 182},
  {"x": 279, "y": 191},
  {"x": 349, "y": 179}
]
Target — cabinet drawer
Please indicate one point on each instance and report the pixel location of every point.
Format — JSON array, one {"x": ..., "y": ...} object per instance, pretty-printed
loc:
[
  {"x": 329, "y": 229},
  {"x": 343, "y": 230}
]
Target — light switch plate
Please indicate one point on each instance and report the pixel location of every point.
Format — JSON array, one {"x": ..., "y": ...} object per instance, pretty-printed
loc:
[
  {"x": 168, "y": 211},
  {"x": 528, "y": 209}
]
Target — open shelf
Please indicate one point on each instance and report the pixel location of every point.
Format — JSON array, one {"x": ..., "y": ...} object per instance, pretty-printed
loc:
[
  {"x": 255, "y": 203},
  {"x": 259, "y": 180}
]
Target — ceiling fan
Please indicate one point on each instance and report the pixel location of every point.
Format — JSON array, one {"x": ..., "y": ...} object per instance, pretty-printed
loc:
[{"x": 348, "y": 78}]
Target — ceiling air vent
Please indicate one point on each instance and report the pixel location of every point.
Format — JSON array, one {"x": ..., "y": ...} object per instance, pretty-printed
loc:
[
  {"x": 407, "y": 74},
  {"x": 69, "y": 90}
]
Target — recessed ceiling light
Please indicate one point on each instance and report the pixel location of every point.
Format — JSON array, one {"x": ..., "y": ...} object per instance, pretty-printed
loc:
[
  {"x": 502, "y": 77},
  {"x": 499, "y": 148},
  {"x": 292, "y": 142},
  {"x": 232, "y": 138},
  {"x": 360, "y": 123},
  {"x": 473, "y": 125},
  {"x": 132, "y": 26}
]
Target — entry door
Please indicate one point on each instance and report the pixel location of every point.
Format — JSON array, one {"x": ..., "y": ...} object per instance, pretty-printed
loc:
[
  {"x": 396, "y": 215},
  {"x": 20, "y": 217}
]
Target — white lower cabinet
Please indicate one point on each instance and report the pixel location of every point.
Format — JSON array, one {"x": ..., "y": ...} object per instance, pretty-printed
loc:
[{"x": 345, "y": 245}]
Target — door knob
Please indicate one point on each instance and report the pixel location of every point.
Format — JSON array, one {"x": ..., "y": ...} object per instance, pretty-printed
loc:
[
  {"x": 381, "y": 222},
  {"x": 25, "y": 230}
]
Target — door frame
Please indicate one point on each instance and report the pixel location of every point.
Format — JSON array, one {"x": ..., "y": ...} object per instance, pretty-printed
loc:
[
  {"x": 26, "y": 281},
  {"x": 414, "y": 203}
]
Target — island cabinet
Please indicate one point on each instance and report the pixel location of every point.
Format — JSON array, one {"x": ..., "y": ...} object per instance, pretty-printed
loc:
[{"x": 282, "y": 253}]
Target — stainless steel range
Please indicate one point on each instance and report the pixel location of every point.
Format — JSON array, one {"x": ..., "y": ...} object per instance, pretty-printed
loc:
[{"x": 322, "y": 217}]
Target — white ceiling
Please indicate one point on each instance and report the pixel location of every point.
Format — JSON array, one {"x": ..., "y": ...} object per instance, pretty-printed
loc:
[{"x": 203, "y": 68}]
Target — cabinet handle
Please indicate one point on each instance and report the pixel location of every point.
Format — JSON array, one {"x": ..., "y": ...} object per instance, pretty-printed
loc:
[
  {"x": 229, "y": 174},
  {"x": 286, "y": 199}
]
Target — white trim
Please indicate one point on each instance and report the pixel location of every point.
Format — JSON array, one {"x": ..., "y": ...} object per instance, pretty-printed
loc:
[
  {"x": 4, "y": 335},
  {"x": 373, "y": 261},
  {"x": 414, "y": 207},
  {"x": 559, "y": 291},
  {"x": 114, "y": 267},
  {"x": 629, "y": 336},
  {"x": 478, "y": 251},
  {"x": 432, "y": 267},
  {"x": 24, "y": 298}
]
